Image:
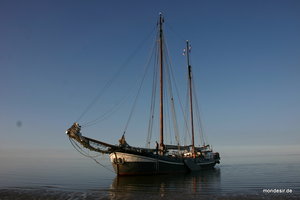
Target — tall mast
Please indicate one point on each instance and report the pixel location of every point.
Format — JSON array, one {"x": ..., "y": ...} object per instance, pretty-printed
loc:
[
  {"x": 191, "y": 95},
  {"x": 161, "y": 20}
]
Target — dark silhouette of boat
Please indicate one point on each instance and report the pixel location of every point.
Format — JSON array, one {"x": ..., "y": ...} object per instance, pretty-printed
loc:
[{"x": 165, "y": 158}]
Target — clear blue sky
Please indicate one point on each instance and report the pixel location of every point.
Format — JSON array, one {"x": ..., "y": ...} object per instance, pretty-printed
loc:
[{"x": 55, "y": 56}]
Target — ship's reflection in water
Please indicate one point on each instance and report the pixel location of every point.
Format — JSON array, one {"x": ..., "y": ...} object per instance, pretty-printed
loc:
[{"x": 176, "y": 186}]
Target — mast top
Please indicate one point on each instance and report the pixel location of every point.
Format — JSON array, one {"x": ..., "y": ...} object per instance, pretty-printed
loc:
[
  {"x": 187, "y": 51},
  {"x": 161, "y": 18}
]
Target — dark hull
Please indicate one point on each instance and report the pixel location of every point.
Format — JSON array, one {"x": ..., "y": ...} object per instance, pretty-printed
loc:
[{"x": 137, "y": 164}]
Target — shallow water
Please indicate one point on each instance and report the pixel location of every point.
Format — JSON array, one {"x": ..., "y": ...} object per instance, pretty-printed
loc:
[{"x": 251, "y": 177}]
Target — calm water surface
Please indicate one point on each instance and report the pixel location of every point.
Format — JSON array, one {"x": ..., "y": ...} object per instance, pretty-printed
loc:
[{"x": 82, "y": 178}]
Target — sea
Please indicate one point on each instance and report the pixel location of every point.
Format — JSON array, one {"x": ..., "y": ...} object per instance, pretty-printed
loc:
[{"x": 23, "y": 176}]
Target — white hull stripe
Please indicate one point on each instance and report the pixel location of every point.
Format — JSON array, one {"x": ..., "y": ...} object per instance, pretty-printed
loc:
[{"x": 137, "y": 158}]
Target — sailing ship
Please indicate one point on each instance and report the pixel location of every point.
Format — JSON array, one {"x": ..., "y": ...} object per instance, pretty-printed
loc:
[{"x": 164, "y": 158}]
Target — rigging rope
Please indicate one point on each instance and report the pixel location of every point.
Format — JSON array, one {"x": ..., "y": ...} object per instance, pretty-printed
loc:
[
  {"x": 180, "y": 102},
  {"x": 171, "y": 96},
  {"x": 186, "y": 111},
  {"x": 198, "y": 116},
  {"x": 153, "y": 99},
  {"x": 116, "y": 74},
  {"x": 169, "y": 105},
  {"x": 108, "y": 113},
  {"x": 170, "y": 78},
  {"x": 82, "y": 152},
  {"x": 139, "y": 90},
  {"x": 202, "y": 135},
  {"x": 177, "y": 91}
]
